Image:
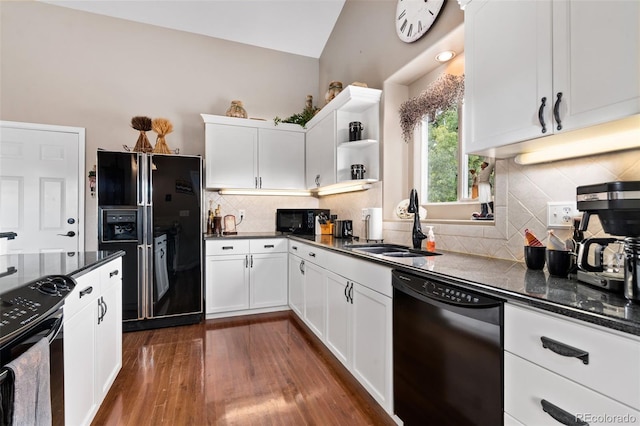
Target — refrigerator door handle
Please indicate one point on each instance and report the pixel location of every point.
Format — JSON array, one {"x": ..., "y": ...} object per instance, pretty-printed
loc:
[
  {"x": 141, "y": 281},
  {"x": 141, "y": 179},
  {"x": 148, "y": 288}
]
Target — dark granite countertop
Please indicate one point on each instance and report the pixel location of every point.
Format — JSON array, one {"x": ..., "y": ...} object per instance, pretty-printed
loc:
[
  {"x": 509, "y": 280},
  {"x": 246, "y": 235},
  {"x": 19, "y": 269}
]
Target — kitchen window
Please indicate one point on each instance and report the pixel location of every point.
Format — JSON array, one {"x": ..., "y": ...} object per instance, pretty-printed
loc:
[{"x": 442, "y": 171}]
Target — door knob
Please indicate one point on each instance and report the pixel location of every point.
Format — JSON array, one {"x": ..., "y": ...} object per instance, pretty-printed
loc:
[{"x": 68, "y": 234}]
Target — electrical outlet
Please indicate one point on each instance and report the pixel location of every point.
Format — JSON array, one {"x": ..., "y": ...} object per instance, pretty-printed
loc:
[
  {"x": 241, "y": 213},
  {"x": 560, "y": 214},
  {"x": 365, "y": 213}
]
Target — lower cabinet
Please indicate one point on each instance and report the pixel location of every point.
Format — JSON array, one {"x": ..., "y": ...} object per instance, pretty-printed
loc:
[
  {"x": 558, "y": 368},
  {"x": 352, "y": 320},
  {"x": 92, "y": 341},
  {"x": 359, "y": 334},
  {"x": 242, "y": 275},
  {"x": 296, "y": 284}
]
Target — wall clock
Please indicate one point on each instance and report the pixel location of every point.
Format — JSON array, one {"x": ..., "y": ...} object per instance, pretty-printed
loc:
[{"x": 415, "y": 17}]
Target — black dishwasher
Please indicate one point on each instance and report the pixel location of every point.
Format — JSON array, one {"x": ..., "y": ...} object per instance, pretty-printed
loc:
[{"x": 447, "y": 353}]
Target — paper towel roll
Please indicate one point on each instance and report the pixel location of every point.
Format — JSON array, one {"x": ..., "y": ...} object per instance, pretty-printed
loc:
[{"x": 375, "y": 224}]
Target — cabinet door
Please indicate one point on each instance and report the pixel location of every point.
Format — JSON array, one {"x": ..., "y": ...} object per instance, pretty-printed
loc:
[
  {"x": 268, "y": 278},
  {"x": 321, "y": 151},
  {"x": 338, "y": 338},
  {"x": 315, "y": 298},
  {"x": 296, "y": 285},
  {"x": 227, "y": 283},
  {"x": 507, "y": 72},
  {"x": 109, "y": 337},
  {"x": 281, "y": 159},
  {"x": 80, "y": 366},
  {"x": 372, "y": 344},
  {"x": 596, "y": 71},
  {"x": 231, "y": 156}
]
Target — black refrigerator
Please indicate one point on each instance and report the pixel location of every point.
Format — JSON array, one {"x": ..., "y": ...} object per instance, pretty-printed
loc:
[{"x": 150, "y": 206}]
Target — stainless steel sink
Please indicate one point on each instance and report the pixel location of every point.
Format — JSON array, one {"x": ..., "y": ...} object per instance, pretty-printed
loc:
[
  {"x": 376, "y": 248},
  {"x": 390, "y": 250},
  {"x": 402, "y": 254}
]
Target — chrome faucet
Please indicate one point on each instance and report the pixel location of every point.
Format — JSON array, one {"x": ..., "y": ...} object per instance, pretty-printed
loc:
[{"x": 414, "y": 207}]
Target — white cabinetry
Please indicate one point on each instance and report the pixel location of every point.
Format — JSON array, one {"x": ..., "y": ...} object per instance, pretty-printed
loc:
[
  {"x": 329, "y": 152},
  {"x": 92, "y": 341},
  {"x": 534, "y": 62},
  {"x": 352, "y": 316},
  {"x": 245, "y": 275},
  {"x": 321, "y": 153},
  {"x": 249, "y": 154},
  {"x": 556, "y": 366}
]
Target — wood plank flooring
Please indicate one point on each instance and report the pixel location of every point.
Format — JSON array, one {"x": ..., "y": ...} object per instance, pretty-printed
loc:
[{"x": 253, "y": 370}]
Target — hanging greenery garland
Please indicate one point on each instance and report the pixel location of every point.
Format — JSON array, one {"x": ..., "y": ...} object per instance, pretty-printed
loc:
[{"x": 440, "y": 95}]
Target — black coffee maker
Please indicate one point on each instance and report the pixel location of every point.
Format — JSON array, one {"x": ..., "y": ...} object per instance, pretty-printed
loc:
[{"x": 617, "y": 205}]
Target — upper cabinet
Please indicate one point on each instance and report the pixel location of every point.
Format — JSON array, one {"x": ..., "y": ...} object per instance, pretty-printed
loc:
[
  {"x": 536, "y": 68},
  {"x": 250, "y": 154},
  {"x": 330, "y": 152}
]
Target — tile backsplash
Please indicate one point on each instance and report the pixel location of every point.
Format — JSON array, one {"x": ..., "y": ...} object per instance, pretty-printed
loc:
[{"x": 521, "y": 196}]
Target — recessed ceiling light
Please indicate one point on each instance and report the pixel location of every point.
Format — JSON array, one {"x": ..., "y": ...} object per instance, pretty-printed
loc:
[{"x": 445, "y": 56}]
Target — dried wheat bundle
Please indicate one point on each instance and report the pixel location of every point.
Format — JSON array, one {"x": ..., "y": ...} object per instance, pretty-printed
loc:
[
  {"x": 162, "y": 127},
  {"x": 142, "y": 124}
]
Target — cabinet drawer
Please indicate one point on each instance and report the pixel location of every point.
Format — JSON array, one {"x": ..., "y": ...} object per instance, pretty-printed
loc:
[
  {"x": 110, "y": 274},
  {"x": 86, "y": 291},
  {"x": 268, "y": 245},
  {"x": 613, "y": 368},
  {"x": 223, "y": 247},
  {"x": 526, "y": 385}
]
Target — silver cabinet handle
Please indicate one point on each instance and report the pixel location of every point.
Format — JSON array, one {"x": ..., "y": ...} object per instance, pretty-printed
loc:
[
  {"x": 112, "y": 273},
  {"x": 312, "y": 254},
  {"x": 227, "y": 247}
]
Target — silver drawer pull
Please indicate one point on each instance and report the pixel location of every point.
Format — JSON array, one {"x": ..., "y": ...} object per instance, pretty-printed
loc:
[
  {"x": 294, "y": 247},
  {"x": 312, "y": 254},
  {"x": 560, "y": 415},
  {"x": 269, "y": 246},
  {"x": 565, "y": 350},
  {"x": 112, "y": 273},
  {"x": 227, "y": 247},
  {"x": 86, "y": 291}
]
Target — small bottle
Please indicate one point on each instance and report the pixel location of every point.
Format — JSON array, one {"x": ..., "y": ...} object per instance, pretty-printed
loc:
[{"x": 431, "y": 240}]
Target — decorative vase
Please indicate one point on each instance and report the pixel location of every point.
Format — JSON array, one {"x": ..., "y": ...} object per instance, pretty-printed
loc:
[
  {"x": 335, "y": 87},
  {"x": 236, "y": 110}
]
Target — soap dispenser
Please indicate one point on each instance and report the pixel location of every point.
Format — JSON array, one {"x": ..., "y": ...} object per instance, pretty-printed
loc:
[{"x": 431, "y": 240}]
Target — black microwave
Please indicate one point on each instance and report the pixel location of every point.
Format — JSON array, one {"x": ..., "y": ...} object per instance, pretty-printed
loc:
[{"x": 298, "y": 221}]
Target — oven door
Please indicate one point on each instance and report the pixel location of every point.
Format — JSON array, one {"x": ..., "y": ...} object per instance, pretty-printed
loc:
[{"x": 51, "y": 328}]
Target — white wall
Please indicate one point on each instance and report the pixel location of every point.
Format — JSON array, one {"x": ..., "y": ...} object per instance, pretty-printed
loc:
[{"x": 66, "y": 67}]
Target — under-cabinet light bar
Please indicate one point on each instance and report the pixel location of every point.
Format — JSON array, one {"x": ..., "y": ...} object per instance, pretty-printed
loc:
[
  {"x": 615, "y": 136},
  {"x": 343, "y": 189},
  {"x": 292, "y": 193}
]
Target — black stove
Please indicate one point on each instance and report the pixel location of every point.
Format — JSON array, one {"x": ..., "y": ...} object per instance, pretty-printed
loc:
[{"x": 24, "y": 306}]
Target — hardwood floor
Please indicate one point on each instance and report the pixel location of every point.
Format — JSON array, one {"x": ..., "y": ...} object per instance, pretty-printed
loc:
[{"x": 253, "y": 370}]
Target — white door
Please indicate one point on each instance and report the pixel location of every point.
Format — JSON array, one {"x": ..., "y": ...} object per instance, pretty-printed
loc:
[
  {"x": 232, "y": 158},
  {"x": 268, "y": 280},
  {"x": 339, "y": 321},
  {"x": 281, "y": 159},
  {"x": 42, "y": 187}
]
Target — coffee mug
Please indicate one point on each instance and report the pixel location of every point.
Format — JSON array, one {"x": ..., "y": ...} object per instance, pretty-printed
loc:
[
  {"x": 559, "y": 262},
  {"x": 534, "y": 257},
  {"x": 355, "y": 131}
]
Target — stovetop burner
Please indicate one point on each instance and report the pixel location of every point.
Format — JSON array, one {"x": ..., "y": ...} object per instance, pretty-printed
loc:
[{"x": 24, "y": 306}]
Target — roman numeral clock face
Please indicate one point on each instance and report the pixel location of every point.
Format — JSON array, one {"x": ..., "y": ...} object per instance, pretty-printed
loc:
[{"x": 415, "y": 17}]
